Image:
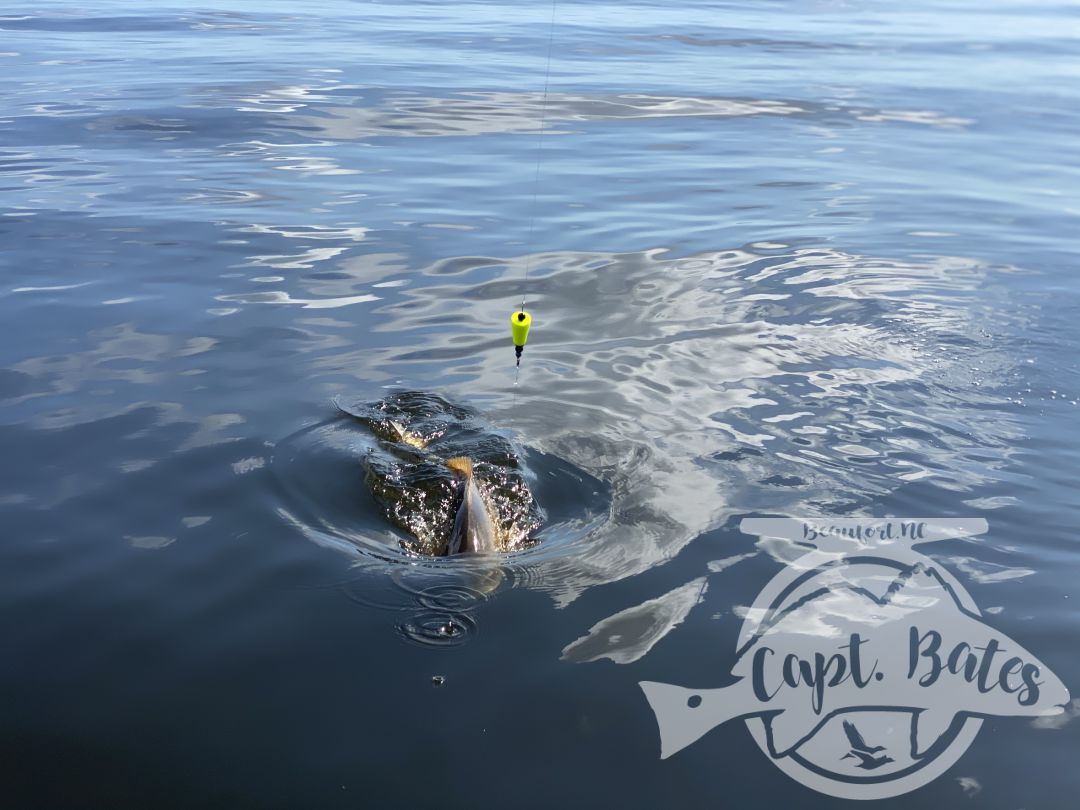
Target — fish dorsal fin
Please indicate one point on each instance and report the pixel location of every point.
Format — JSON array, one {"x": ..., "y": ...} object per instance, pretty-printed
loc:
[
  {"x": 461, "y": 464},
  {"x": 407, "y": 437}
]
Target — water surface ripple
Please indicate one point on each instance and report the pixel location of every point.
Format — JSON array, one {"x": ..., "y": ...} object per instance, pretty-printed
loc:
[{"x": 787, "y": 260}]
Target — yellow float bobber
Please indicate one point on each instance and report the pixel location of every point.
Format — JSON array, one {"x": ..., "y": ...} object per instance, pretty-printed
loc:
[{"x": 519, "y": 329}]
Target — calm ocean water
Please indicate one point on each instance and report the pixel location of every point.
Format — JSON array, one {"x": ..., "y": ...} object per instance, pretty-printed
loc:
[{"x": 788, "y": 259}]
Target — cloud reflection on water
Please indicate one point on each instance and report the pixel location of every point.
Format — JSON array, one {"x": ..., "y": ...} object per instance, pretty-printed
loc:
[{"x": 695, "y": 384}]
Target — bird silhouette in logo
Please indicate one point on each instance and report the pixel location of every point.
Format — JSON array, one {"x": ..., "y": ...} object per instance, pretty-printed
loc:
[{"x": 865, "y": 753}]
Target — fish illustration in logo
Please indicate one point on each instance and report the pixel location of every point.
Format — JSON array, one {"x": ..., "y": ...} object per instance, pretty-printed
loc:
[{"x": 864, "y": 637}]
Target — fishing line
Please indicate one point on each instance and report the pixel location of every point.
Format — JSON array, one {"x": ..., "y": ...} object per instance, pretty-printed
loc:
[
  {"x": 539, "y": 152},
  {"x": 513, "y": 410},
  {"x": 520, "y": 321}
]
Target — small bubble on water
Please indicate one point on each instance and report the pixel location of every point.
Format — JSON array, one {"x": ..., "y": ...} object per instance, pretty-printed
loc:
[{"x": 437, "y": 680}]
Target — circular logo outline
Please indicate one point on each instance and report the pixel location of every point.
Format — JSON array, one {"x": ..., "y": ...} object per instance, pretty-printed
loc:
[{"x": 952, "y": 745}]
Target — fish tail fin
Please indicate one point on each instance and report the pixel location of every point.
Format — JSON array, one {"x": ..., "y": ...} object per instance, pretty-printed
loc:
[{"x": 461, "y": 464}]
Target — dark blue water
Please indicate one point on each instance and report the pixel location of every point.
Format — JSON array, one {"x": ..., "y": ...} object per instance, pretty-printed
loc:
[{"x": 813, "y": 258}]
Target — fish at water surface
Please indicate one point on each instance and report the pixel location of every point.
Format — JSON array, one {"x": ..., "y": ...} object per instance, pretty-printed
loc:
[{"x": 445, "y": 511}]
